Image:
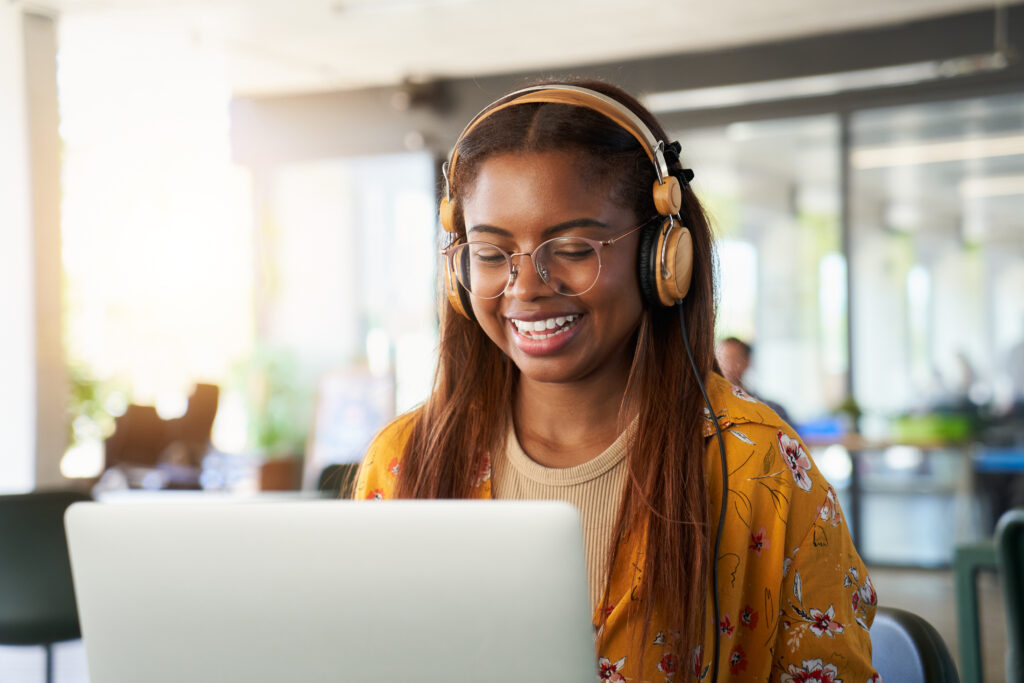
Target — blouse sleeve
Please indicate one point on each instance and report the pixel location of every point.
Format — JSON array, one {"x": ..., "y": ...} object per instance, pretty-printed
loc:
[
  {"x": 379, "y": 469},
  {"x": 827, "y": 606}
]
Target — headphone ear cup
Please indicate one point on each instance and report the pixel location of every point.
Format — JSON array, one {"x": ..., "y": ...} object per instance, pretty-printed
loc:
[
  {"x": 646, "y": 262},
  {"x": 668, "y": 196},
  {"x": 447, "y": 214},
  {"x": 465, "y": 307},
  {"x": 672, "y": 278},
  {"x": 458, "y": 297}
]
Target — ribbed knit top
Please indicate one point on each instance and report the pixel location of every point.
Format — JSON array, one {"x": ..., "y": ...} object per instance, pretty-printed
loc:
[{"x": 594, "y": 487}]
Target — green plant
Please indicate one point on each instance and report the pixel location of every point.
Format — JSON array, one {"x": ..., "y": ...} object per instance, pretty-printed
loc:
[{"x": 279, "y": 401}]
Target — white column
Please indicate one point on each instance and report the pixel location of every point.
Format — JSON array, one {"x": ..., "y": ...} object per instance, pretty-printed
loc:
[
  {"x": 40, "y": 40},
  {"x": 17, "y": 320},
  {"x": 32, "y": 375}
]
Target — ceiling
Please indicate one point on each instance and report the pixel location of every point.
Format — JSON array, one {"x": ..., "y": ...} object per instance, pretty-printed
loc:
[{"x": 292, "y": 46}]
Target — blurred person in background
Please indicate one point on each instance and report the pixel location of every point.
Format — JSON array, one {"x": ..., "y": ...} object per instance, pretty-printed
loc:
[{"x": 734, "y": 358}]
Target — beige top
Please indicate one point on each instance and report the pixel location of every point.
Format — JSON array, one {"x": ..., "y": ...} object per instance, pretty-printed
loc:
[{"x": 594, "y": 487}]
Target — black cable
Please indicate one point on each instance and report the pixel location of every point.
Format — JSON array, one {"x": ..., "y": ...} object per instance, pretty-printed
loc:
[{"x": 725, "y": 492}]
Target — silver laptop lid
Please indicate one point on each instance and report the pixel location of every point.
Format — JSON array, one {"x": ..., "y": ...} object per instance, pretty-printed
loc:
[{"x": 332, "y": 591}]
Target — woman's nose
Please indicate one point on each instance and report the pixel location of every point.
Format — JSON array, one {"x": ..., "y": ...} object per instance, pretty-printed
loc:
[{"x": 526, "y": 283}]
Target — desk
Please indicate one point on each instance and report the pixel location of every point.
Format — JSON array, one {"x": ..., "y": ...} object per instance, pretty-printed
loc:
[{"x": 905, "y": 504}]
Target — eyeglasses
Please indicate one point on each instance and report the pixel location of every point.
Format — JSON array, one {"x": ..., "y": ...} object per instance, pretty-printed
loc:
[{"x": 567, "y": 265}]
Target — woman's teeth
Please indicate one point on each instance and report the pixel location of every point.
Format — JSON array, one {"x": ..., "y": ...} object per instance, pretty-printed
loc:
[{"x": 542, "y": 329}]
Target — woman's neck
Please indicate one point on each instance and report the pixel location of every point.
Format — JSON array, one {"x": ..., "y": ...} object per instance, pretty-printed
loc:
[{"x": 562, "y": 425}]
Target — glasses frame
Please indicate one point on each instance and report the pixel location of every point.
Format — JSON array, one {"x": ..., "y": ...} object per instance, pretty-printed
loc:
[{"x": 513, "y": 268}]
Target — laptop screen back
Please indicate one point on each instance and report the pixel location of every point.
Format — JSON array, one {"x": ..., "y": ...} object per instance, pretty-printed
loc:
[{"x": 332, "y": 591}]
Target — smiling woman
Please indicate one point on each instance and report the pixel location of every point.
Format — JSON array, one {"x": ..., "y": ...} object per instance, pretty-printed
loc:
[{"x": 588, "y": 376}]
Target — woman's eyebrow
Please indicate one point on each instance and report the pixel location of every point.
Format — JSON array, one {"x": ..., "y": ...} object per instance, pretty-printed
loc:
[{"x": 547, "y": 232}]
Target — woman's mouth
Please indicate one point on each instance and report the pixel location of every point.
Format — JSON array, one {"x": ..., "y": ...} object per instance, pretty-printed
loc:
[{"x": 546, "y": 328}]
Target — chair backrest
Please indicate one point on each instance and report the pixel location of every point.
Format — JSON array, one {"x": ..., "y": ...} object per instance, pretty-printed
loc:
[
  {"x": 337, "y": 481},
  {"x": 1010, "y": 555},
  {"x": 906, "y": 648},
  {"x": 37, "y": 602}
]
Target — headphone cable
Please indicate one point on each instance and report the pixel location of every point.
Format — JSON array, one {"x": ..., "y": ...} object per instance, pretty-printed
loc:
[{"x": 725, "y": 492}]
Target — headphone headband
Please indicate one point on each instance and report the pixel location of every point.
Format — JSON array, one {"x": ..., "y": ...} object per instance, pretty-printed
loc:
[
  {"x": 579, "y": 97},
  {"x": 574, "y": 95}
]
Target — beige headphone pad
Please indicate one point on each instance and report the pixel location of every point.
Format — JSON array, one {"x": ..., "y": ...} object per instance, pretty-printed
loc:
[{"x": 679, "y": 254}]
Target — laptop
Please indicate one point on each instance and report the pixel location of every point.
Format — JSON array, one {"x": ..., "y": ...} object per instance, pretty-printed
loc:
[{"x": 331, "y": 591}]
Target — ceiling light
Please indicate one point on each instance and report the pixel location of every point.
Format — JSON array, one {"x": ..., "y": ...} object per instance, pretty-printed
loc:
[
  {"x": 884, "y": 156},
  {"x": 992, "y": 186},
  {"x": 821, "y": 85},
  {"x": 379, "y": 7}
]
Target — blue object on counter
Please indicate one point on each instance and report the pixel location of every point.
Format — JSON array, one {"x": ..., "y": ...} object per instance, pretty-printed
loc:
[{"x": 999, "y": 460}]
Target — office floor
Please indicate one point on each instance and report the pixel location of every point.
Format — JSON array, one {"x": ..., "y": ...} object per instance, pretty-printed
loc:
[{"x": 926, "y": 592}]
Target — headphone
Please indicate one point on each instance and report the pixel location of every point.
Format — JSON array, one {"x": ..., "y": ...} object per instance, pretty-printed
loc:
[{"x": 665, "y": 262}]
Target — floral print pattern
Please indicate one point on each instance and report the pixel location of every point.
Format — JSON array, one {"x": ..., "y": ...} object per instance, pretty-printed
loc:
[
  {"x": 741, "y": 393},
  {"x": 759, "y": 541},
  {"x": 748, "y": 618},
  {"x": 737, "y": 660},
  {"x": 669, "y": 664},
  {"x": 812, "y": 670},
  {"x": 698, "y": 669},
  {"x": 796, "y": 460},
  {"x": 828, "y": 511},
  {"x": 483, "y": 473},
  {"x": 822, "y": 623},
  {"x": 864, "y": 599},
  {"x": 608, "y": 670},
  {"x": 791, "y": 585}
]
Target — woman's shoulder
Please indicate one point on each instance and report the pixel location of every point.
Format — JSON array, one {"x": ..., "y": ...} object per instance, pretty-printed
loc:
[
  {"x": 396, "y": 433},
  {"x": 769, "y": 466},
  {"x": 733, "y": 406},
  {"x": 380, "y": 465}
]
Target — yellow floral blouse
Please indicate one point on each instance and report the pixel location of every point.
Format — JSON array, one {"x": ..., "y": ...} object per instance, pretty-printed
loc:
[{"x": 795, "y": 600}]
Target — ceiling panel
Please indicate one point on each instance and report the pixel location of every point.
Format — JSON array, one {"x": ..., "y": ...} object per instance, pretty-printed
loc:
[{"x": 282, "y": 46}]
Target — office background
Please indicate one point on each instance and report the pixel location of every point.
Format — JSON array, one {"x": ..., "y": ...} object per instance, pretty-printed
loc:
[{"x": 242, "y": 194}]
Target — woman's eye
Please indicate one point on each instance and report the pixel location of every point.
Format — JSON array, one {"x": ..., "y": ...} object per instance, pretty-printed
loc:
[
  {"x": 574, "y": 252},
  {"x": 488, "y": 255}
]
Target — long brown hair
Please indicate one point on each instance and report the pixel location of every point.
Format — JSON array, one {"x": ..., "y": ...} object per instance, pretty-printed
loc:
[{"x": 665, "y": 499}]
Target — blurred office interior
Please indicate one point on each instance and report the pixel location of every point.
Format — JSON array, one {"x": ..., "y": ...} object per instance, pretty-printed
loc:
[{"x": 242, "y": 196}]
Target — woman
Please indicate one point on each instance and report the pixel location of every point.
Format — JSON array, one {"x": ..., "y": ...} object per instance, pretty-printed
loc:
[{"x": 576, "y": 351}]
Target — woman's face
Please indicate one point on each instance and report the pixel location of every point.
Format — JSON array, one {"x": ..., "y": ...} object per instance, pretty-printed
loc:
[{"x": 517, "y": 202}]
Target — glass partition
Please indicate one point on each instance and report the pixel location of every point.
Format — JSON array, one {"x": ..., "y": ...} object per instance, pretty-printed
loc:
[
  {"x": 346, "y": 295},
  {"x": 937, "y": 250},
  {"x": 938, "y": 257},
  {"x": 772, "y": 191}
]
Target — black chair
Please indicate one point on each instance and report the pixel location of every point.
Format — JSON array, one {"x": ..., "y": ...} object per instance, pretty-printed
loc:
[
  {"x": 908, "y": 649},
  {"x": 338, "y": 481},
  {"x": 37, "y": 602},
  {"x": 1010, "y": 552}
]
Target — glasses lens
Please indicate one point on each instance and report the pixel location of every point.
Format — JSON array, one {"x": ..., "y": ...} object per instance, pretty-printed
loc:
[
  {"x": 569, "y": 265},
  {"x": 481, "y": 268}
]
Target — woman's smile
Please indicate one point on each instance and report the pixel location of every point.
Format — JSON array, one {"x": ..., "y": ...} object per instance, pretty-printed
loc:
[{"x": 541, "y": 336}]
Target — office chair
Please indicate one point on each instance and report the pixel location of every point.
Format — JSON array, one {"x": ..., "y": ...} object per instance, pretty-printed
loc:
[
  {"x": 908, "y": 649},
  {"x": 1010, "y": 556},
  {"x": 37, "y": 602},
  {"x": 338, "y": 481}
]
